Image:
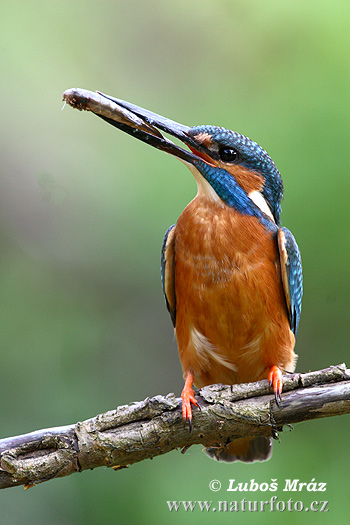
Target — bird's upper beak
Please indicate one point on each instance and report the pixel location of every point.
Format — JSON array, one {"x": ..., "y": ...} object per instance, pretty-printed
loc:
[{"x": 138, "y": 122}]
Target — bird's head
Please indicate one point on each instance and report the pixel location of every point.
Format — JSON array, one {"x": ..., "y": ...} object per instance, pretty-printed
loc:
[
  {"x": 233, "y": 163},
  {"x": 228, "y": 167}
]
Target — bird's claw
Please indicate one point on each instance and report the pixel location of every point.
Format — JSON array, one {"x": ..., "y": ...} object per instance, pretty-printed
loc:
[
  {"x": 276, "y": 381},
  {"x": 188, "y": 398}
]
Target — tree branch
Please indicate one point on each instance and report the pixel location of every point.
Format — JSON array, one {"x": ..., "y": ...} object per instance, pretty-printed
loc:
[{"x": 152, "y": 427}]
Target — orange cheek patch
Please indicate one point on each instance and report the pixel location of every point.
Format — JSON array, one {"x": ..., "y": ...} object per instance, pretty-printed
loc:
[{"x": 248, "y": 180}]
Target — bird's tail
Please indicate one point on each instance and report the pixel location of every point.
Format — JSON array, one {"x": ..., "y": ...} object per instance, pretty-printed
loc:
[{"x": 243, "y": 449}]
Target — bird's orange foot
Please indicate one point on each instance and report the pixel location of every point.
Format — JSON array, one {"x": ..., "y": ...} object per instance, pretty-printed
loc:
[
  {"x": 188, "y": 398},
  {"x": 276, "y": 381}
]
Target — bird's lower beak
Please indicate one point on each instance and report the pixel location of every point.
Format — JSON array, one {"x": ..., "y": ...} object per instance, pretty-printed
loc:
[{"x": 136, "y": 121}]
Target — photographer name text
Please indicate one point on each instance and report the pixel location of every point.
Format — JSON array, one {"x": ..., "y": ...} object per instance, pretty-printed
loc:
[{"x": 287, "y": 485}]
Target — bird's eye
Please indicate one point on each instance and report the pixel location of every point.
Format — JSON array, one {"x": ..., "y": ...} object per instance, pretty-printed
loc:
[{"x": 228, "y": 154}]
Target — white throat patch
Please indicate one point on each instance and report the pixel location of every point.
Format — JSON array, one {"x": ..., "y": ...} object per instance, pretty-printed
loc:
[{"x": 204, "y": 188}]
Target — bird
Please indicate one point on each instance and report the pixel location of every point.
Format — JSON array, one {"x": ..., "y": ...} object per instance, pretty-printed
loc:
[{"x": 231, "y": 274}]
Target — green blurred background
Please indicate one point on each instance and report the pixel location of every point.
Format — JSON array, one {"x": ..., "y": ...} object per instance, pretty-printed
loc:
[{"x": 83, "y": 210}]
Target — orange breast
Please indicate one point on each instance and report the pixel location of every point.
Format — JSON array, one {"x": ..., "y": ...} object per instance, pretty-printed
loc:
[{"x": 231, "y": 316}]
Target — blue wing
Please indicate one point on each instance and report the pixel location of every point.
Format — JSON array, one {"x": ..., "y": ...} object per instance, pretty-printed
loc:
[
  {"x": 292, "y": 275},
  {"x": 168, "y": 271}
]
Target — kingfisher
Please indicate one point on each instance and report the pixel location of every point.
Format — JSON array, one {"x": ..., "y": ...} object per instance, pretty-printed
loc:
[{"x": 231, "y": 274}]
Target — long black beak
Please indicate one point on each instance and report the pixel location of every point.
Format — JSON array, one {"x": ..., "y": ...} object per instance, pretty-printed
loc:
[{"x": 138, "y": 122}]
